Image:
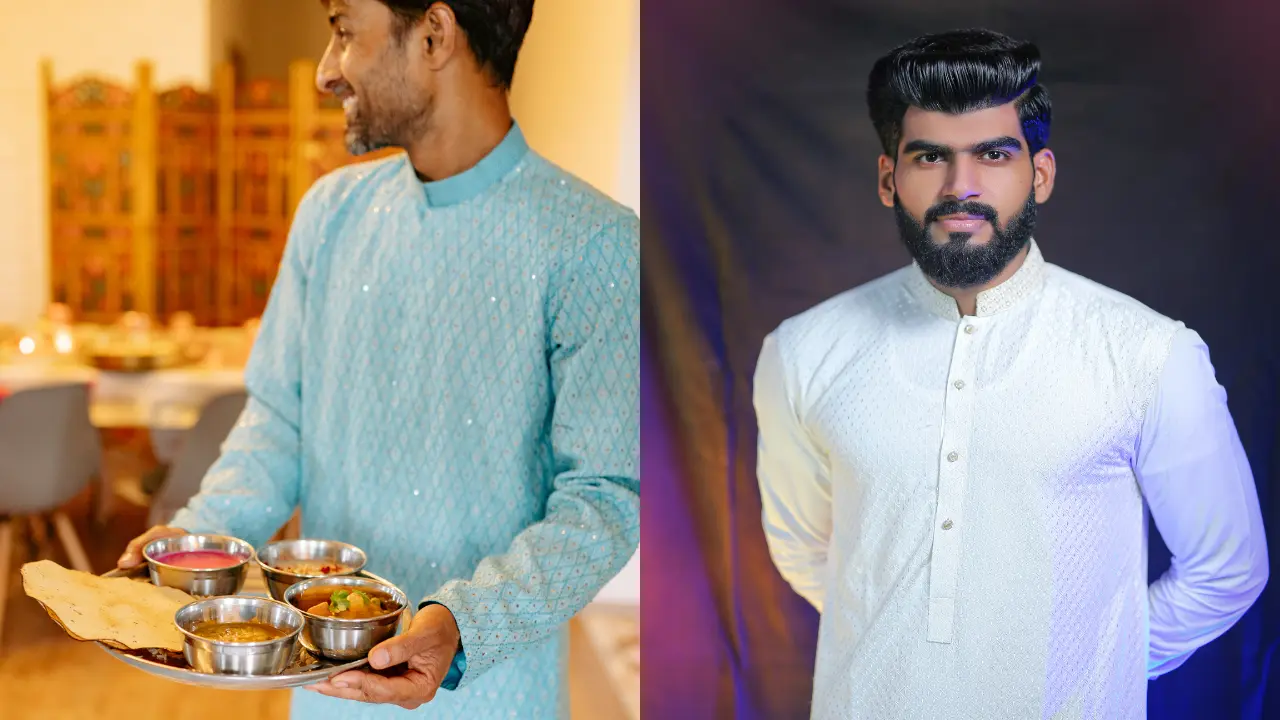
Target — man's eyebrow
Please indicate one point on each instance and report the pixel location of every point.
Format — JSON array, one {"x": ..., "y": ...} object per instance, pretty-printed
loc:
[
  {"x": 1005, "y": 142},
  {"x": 926, "y": 146}
]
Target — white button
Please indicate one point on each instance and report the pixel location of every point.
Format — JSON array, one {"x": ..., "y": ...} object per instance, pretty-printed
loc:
[
  {"x": 959, "y": 384},
  {"x": 946, "y": 525},
  {"x": 953, "y": 456},
  {"x": 969, "y": 329}
]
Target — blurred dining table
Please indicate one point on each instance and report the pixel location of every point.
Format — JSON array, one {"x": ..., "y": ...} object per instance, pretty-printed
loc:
[
  {"x": 162, "y": 403},
  {"x": 166, "y": 399}
]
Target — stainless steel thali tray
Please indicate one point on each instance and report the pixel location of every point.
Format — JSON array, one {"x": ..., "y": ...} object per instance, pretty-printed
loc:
[{"x": 304, "y": 669}]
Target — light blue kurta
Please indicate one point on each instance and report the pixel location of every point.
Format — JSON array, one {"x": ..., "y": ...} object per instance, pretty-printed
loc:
[{"x": 447, "y": 377}]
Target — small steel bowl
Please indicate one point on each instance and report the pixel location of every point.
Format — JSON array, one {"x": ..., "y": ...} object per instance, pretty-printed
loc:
[
  {"x": 279, "y": 553},
  {"x": 268, "y": 657},
  {"x": 340, "y": 639},
  {"x": 199, "y": 583}
]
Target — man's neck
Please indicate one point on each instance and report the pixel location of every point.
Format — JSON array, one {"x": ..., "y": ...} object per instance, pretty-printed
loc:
[
  {"x": 462, "y": 132},
  {"x": 967, "y": 298}
]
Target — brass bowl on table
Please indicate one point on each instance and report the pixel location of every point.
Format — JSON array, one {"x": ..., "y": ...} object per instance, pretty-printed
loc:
[
  {"x": 134, "y": 355},
  {"x": 132, "y": 363}
]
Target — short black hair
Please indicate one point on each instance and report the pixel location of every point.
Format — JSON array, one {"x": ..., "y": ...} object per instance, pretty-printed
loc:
[
  {"x": 957, "y": 72},
  {"x": 495, "y": 29}
]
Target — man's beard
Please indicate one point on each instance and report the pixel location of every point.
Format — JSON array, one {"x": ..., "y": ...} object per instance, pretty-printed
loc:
[
  {"x": 392, "y": 122},
  {"x": 957, "y": 263}
]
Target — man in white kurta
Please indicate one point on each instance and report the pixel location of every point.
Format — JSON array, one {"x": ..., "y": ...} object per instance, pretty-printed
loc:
[
  {"x": 956, "y": 460},
  {"x": 964, "y": 497}
]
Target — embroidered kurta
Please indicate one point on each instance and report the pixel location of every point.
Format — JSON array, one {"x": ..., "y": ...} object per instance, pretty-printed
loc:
[
  {"x": 446, "y": 376},
  {"x": 965, "y": 498}
]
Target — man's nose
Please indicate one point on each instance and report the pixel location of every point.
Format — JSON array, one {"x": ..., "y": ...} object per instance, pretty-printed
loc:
[
  {"x": 962, "y": 180},
  {"x": 328, "y": 73}
]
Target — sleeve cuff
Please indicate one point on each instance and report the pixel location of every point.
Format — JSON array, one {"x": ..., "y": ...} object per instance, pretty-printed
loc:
[{"x": 458, "y": 667}]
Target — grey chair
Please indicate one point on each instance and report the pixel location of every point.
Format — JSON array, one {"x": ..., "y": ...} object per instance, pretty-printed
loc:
[
  {"x": 200, "y": 448},
  {"x": 49, "y": 453}
]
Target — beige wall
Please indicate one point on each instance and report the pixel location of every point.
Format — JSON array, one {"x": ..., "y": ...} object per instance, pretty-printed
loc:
[
  {"x": 80, "y": 36},
  {"x": 571, "y": 85},
  {"x": 226, "y": 31},
  {"x": 269, "y": 34},
  {"x": 629, "y": 144}
]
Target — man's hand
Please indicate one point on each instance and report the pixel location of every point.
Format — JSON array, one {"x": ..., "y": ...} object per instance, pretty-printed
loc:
[
  {"x": 132, "y": 556},
  {"x": 426, "y": 649}
]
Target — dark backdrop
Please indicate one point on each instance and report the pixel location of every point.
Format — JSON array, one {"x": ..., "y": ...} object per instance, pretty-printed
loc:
[{"x": 759, "y": 188}]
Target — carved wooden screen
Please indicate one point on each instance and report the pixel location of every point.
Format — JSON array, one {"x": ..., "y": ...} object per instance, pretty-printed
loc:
[
  {"x": 187, "y": 183},
  {"x": 182, "y": 201},
  {"x": 259, "y": 215},
  {"x": 90, "y": 147}
]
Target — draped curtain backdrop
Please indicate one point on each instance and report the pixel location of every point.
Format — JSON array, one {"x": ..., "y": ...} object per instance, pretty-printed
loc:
[{"x": 758, "y": 176}]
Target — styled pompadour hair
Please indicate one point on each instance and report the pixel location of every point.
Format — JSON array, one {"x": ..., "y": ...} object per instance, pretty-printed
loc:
[{"x": 957, "y": 72}]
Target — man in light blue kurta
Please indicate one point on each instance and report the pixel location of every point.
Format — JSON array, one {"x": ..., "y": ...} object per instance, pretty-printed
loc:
[{"x": 447, "y": 377}]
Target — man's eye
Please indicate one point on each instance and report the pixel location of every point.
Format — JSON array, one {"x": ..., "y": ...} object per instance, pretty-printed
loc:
[
  {"x": 930, "y": 158},
  {"x": 995, "y": 155}
]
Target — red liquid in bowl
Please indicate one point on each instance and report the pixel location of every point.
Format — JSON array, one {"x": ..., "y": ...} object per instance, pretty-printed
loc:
[{"x": 200, "y": 559}]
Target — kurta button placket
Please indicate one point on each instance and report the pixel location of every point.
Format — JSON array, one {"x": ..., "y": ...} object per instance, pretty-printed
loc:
[{"x": 953, "y": 476}]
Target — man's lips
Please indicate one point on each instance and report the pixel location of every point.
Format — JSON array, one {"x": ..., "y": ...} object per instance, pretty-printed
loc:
[{"x": 962, "y": 223}]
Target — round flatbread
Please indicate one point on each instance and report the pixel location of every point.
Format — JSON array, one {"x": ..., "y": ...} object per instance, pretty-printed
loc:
[{"x": 120, "y": 612}]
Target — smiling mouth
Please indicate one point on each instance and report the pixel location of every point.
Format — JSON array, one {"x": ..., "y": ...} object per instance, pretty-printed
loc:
[{"x": 962, "y": 223}]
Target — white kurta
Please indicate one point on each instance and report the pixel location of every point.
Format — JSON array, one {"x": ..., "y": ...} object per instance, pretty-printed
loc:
[{"x": 964, "y": 497}]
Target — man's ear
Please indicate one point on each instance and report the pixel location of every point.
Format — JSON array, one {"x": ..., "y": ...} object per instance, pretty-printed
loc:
[
  {"x": 886, "y": 186},
  {"x": 438, "y": 35},
  {"x": 1045, "y": 166}
]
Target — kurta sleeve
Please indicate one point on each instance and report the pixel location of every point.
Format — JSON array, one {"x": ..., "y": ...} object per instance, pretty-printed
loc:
[
  {"x": 252, "y": 488},
  {"x": 1197, "y": 482},
  {"x": 795, "y": 484},
  {"x": 591, "y": 526}
]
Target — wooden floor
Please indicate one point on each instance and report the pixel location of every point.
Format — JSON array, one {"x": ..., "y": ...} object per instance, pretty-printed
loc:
[{"x": 44, "y": 674}]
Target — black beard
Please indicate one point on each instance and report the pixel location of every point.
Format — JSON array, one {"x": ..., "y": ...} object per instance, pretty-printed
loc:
[
  {"x": 358, "y": 139},
  {"x": 357, "y": 136},
  {"x": 375, "y": 128},
  {"x": 956, "y": 263},
  {"x": 387, "y": 113}
]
